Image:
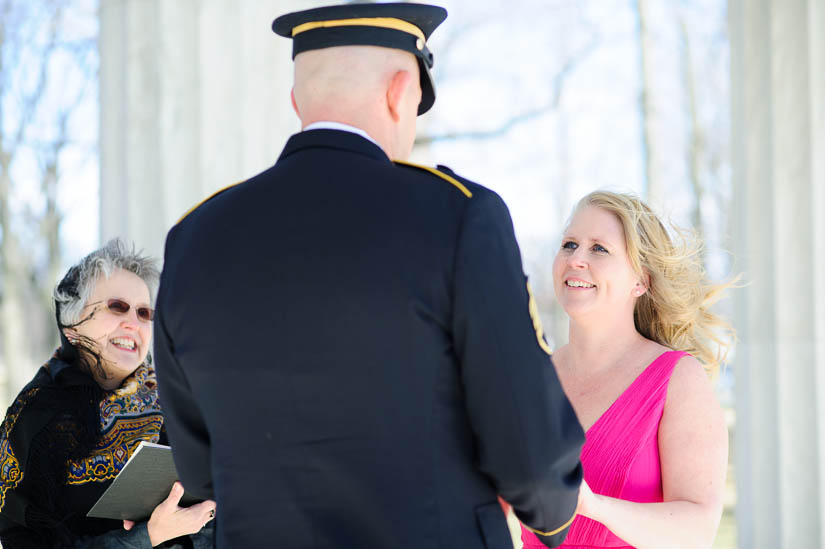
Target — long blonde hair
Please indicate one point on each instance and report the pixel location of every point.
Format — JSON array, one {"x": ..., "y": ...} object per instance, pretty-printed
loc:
[{"x": 676, "y": 309}]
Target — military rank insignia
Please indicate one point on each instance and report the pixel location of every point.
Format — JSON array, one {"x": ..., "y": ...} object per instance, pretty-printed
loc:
[{"x": 534, "y": 314}]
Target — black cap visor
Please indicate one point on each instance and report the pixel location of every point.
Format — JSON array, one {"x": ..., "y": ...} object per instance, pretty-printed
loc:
[{"x": 427, "y": 87}]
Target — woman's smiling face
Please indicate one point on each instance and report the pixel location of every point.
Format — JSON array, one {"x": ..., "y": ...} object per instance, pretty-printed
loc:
[
  {"x": 591, "y": 271},
  {"x": 121, "y": 339}
]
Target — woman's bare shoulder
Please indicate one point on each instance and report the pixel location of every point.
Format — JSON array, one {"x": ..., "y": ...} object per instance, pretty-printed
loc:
[
  {"x": 691, "y": 373},
  {"x": 690, "y": 389}
]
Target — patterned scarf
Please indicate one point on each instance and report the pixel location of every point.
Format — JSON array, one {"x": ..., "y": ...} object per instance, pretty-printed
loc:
[{"x": 128, "y": 415}]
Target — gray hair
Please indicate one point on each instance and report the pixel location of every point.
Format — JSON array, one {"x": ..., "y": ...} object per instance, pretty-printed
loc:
[{"x": 72, "y": 293}]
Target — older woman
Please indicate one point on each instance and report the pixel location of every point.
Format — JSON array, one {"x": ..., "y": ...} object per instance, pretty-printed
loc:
[
  {"x": 73, "y": 427},
  {"x": 640, "y": 333}
]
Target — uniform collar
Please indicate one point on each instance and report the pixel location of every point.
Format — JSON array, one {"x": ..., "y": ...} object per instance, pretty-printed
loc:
[
  {"x": 333, "y": 139},
  {"x": 327, "y": 125}
]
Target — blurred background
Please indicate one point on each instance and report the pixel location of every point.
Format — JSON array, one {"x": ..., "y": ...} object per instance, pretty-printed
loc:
[{"x": 117, "y": 116}]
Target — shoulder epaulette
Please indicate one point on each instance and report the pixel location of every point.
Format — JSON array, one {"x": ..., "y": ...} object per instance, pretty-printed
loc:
[
  {"x": 440, "y": 171},
  {"x": 205, "y": 200}
]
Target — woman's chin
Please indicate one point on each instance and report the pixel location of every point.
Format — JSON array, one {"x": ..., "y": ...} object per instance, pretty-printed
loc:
[
  {"x": 576, "y": 310},
  {"x": 121, "y": 366},
  {"x": 584, "y": 315}
]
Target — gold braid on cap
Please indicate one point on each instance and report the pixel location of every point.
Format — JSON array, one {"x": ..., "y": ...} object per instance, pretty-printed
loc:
[{"x": 383, "y": 22}]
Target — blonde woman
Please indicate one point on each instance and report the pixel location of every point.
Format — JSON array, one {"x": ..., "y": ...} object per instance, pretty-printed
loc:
[{"x": 642, "y": 339}]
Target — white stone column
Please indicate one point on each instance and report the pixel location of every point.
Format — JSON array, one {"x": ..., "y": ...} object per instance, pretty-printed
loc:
[
  {"x": 816, "y": 37},
  {"x": 777, "y": 102},
  {"x": 194, "y": 97}
]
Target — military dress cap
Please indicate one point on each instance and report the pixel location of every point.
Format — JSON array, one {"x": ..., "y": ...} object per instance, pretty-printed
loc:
[{"x": 392, "y": 25}]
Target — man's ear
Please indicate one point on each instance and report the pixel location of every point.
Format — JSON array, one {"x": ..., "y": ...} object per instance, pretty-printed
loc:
[
  {"x": 396, "y": 92},
  {"x": 294, "y": 104}
]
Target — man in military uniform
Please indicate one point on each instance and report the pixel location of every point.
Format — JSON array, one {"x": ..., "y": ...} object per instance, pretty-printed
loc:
[{"x": 347, "y": 349}]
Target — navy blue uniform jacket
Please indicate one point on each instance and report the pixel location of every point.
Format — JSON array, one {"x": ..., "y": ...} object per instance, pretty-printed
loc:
[{"x": 346, "y": 359}]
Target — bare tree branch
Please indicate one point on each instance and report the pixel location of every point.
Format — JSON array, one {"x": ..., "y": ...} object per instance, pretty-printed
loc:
[
  {"x": 31, "y": 102},
  {"x": 557, "y": 83}
]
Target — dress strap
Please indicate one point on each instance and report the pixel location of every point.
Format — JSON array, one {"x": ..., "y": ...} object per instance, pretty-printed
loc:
[{"x": 656, "y": 376}]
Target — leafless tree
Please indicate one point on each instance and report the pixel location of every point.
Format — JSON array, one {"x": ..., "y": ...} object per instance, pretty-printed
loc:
[{"x": 38, "y": 98}]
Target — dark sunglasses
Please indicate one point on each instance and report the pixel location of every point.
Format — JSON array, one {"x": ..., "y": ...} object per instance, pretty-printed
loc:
[{"x": 120, "y": 307}]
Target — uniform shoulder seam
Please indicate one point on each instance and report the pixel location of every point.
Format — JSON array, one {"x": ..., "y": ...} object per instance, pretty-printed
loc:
[
  {"x": 446, "y": 177},
  {"x": 205, "y": 200}
]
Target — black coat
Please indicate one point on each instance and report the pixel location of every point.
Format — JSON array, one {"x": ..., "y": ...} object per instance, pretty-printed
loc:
[
  {"x": 346, "y": 359},
  {"x": 55, "y": 420}
]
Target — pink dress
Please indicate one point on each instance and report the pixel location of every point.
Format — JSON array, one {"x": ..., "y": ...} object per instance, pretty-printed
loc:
[{"x": 620, "y": 456}]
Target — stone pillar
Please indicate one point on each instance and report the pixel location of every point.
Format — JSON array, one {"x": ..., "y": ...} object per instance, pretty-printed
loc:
[
  {"x": 778, "y": 98},
  {"x": 816, "y": 37},
  {"x": 194, "y": 97}
]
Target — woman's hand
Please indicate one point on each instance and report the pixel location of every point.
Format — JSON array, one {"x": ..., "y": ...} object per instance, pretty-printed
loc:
[
  {"x": 169, "y": 520},
  {"x": 587, "y": 501}
]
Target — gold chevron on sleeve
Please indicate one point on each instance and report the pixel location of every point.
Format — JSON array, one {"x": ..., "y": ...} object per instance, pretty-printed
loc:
[{"x": 534, "y": 314}]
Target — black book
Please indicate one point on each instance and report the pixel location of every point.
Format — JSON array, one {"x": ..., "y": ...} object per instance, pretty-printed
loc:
[{"x": 141, "y": 485}]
